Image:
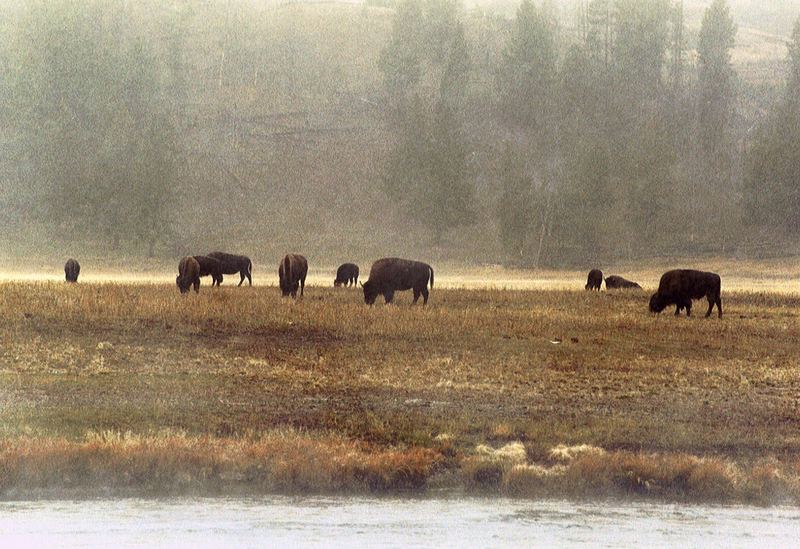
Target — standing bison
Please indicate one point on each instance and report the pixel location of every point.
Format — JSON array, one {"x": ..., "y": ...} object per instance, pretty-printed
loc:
[
  {"x": 595, "y": 280},
  {"x": 210, "y": 266},
  {"x": 681, "y": 286},
  {"x": 232, "y": 264},
  {"x": 292, "y": 273},
  {"x": 615, "y": 282},
  {"x": 72, "y": 269},
  {"x": 346, "y": 275},
  {"x": 188, "y": 275},
  {"x": 390, "y": 274}
]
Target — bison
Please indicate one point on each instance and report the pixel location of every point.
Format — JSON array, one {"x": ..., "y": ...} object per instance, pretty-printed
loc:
[
  {"x": 390, "y": 274},
  {"x": 210, "y": 266},
  {"x": 232, "y": 264},
  {"x": 72, "y": 269},
  {"x": 595, "y": 280},
  {"x": 615, "y": 282},
  {"x": 292, "y": 273},
  {"x": 188, "y": 275},
  {"x": 681, "y": 286},
  {"x": 346, "y": 275}
]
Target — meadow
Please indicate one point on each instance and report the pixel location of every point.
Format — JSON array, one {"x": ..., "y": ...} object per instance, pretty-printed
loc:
[{"x": 131, "y": 387}]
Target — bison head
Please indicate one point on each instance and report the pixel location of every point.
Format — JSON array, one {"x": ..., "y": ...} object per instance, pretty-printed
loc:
[
  {"x": 370, "y": 292},
  {"x": 656, "y": 303},
  {"x": 283, "y": 282},
  {"x": 179, "y": 282},
  {"x": 337, "y": 283}
]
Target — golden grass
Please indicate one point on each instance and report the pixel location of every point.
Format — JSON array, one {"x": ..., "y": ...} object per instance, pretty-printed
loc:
[
  {"x": 174, "y": 462},
  {"x": 668, "y": 407}
]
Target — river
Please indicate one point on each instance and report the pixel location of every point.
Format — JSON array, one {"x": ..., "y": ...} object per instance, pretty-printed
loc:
[{"x": 279, "y": 521}]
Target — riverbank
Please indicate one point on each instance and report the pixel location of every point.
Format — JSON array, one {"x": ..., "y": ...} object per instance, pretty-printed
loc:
[{"x": 134, "y": 388}]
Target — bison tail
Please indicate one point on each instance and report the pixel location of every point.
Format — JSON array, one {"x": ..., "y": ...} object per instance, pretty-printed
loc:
[{"x": 431, "y": 268}]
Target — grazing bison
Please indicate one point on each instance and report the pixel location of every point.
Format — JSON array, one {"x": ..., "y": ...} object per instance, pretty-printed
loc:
[
  {"x": 292, "y": 273},
  {"x": 615, "y": 282},
  {"x": 681, "y": 286},
  {"x": 188, "y": 275},
  {"x": 72, "y": 269},
  {"x": 210, "y": 266},
  {"x": 346, "y": 274},
  {"x": 595, "y": 280},
  {"x": 232, "y": 264},
  {"x": 390, "y": 274}
]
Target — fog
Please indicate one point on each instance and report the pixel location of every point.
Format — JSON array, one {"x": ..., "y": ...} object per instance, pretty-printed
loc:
[{"x": 536, "y": 134}]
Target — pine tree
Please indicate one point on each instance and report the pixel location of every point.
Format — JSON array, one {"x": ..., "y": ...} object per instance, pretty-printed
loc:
[
  {"x": 772, "y": 184},
  {"x": 715, "y": 76},
  {"x": 426, "y": 67},
  {"x": 527, "y": 75}
]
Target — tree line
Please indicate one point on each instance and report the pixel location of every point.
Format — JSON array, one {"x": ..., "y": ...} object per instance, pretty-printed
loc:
[{"x": 549, "y": 138}]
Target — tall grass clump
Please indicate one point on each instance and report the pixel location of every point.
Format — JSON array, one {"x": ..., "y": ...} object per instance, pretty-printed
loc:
[{"x": 169, "y": 463}]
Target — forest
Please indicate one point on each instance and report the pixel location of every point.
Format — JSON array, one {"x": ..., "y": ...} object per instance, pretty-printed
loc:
[{"x": 531, "y": 134}]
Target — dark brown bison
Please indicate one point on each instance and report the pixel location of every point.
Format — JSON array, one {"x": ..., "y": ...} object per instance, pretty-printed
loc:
[
  {"x": 232, "y": 264},
  {"x": 390, "y": 275},
  {"x": 292, "y": 273},
  {"x": 210, "y": 266},
  {"x": 595, "y": 280},
  {"x": 681, "y": 286},
  {"x": 346, "y": 275},
  {"x": 615, "y": 282},
  {"x": 72, "y": 269},
  {"x": 188, "y": 275}
]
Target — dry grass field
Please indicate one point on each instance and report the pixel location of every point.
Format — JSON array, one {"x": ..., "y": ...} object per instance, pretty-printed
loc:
[{"x": 133, "y": 387}]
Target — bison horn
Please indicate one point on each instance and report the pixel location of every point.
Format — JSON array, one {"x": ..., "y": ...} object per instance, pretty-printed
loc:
[{"x": 362, "y": 284}]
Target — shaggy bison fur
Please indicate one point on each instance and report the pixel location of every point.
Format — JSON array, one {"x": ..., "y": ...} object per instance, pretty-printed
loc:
[
  {"x": 681, "y": 286},
  {"x": 615, "y": 282},
  {"x": 210, "y": 266},
  {"x": 72, "y": 269},
  {"x": 232, "y": 264},
  {"x": 595, "y": 280},
  {"x": 292, "y": 273},
  {"x": 188, "y": 275},
  {"x": 346, "y": 275},
  {"x": 391, "y": 274}
]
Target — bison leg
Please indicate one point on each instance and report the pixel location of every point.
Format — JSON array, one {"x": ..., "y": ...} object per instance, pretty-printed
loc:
[
  {"x": 197, "y": 286},
  {"x": 416, "y": 296},
  {"x": 388, "y": 296},
  {"x": 719, "y": 306},
  {"x": 688, "y": 306},
  {"x": 241, "y": 277},
  {"x": 710, "y": 306},
  {"x": 678, "y": 308},
  {"x": 424, "y": 295},
  {"x": 302, "y": 285}
]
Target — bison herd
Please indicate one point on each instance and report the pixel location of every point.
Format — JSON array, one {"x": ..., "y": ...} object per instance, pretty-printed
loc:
[
  {"x": 391, "y": 274},
  {"x": 677, "y": 287}
]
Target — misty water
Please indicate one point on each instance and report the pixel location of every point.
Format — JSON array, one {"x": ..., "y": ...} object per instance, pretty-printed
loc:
[{"x": 361, "y": 521}]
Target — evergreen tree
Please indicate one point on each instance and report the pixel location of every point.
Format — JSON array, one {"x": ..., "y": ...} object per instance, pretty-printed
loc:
[
  {"x": 715, "y": 75},
  {"x": 528, "y": 71},
  {"x": 88, "y": 104},
  {"x": 772, "y": 184},
  {"x": 641, "y": 38},
  {"x": 426, "y": 170}
]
